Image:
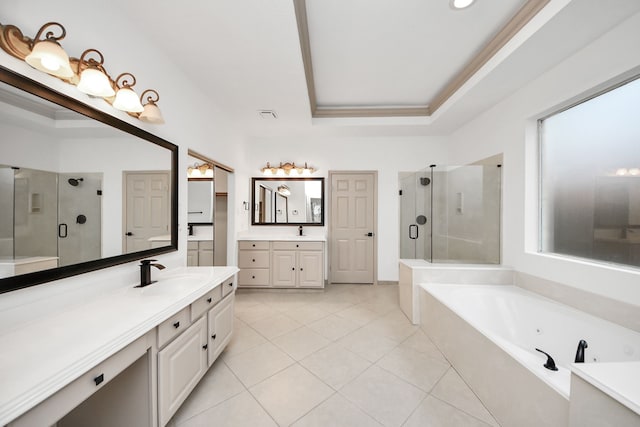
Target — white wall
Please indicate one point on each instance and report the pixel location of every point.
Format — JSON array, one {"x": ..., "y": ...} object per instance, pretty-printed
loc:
[
  {"x": 193, "y": 120},
  {"x": 388, "y": 156},
  {"x": 510, "y": 127}
]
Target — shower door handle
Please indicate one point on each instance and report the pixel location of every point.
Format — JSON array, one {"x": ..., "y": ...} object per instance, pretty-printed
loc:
[
  {"x": 62, "y": 227},
  {"x": 412, "y": 228}
]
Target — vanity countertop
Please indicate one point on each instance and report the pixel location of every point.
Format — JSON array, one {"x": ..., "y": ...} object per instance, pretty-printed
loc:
[
  {"x": 167, "y": 238},
  {"x": 40, "y": 355},
  {"x": 619, "y": 380},
  {"x": 284, "y": 238}
]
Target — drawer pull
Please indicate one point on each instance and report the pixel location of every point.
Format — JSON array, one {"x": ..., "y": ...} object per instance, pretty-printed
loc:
[
  {"x": 253, "y": 260},
  {"x": 297, "y": 246},
  {"x": 213, "y": 337},
  {"x": 209, "y": 300},
  {"x": 293, "y": 269},
  {"x": 176, "y": 325},
  {"x": 99, "y": 379},
  {"x": 204, "y": 347},
  {"x": 254, "y": 245},
  {"x": 301, "y": 269},
  {"x": 231, "y": 284},
  {"x": 253, "y": 277}
]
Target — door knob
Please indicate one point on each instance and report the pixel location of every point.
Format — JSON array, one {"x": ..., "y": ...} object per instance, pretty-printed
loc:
[
  {"x": 369, "y": 234},
  {"x": 128, "y": 233}
]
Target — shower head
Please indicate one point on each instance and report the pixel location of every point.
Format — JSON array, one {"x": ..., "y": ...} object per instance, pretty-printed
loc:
[
  {"x": 424, "y": 180},
  {"x": 75, "y": 181}
]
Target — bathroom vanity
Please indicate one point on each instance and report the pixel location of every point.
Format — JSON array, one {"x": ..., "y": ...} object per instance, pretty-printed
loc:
[
  {"x": 281, "y": 262},
  {"x": 73, "y": 354}
]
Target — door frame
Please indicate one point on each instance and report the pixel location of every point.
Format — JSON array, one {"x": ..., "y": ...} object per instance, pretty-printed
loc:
[{"x": 374, "y": 173}]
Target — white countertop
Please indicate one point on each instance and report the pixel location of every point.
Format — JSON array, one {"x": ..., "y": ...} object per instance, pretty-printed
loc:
[
  {"x": 285, "y": 238},
  {"x": 40, "y": 356},
  {"x": 26, "y": 260},
  {"x": 619, "y": 380}
]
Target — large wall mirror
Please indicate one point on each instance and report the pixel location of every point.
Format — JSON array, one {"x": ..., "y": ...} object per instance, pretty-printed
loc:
[
  {"x": 80, "y": 190},
  {"x": 287, "y": 201}
]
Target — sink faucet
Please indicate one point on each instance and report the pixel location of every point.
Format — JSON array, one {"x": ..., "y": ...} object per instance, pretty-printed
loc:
[
  {"x": 145, "y": 272},
  {"x": 580, "y": 352},
  {"x": 300, "y": 230}
]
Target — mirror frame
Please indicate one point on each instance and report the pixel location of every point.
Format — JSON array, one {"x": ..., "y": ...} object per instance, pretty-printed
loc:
[
  {"x": 305, "y": 224},
  {"x": 39, "y": 277}
]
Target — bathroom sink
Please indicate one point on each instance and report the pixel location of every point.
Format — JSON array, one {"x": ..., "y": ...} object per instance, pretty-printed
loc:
[{"x": 172, "y": 283}]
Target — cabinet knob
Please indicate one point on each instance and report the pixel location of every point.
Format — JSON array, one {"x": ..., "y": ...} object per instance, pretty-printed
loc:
[
  {"x": 254, "y": 245},
  {"x": 293, "y": 269},
  {"x": 204, "y": 347},
  {"x": 253, "y": 260},
  {"x": 297, "y": 246},
  {"x": 209, "y": 300},
  {"x": 213, "y": 337},
  {"x": 99, "y": 379},
  {"x": 176, "y": 325},
  {"x": 253, "y": 277},
  {"x": 231, "y": 284},
  {"x": 301, "y": 269}
]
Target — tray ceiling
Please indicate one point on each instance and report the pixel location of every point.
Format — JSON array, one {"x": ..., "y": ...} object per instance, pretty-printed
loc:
[{"x": 381, "y": 58}]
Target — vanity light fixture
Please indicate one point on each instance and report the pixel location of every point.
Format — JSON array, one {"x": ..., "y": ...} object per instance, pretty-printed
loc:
[
  {"x": 93, "y": 77},
  {"x": 289, "y": 169},
  {"x": 460, "y": 4},
  {"x": 87, "y": 73},
  {"x": 47, "y": 55},
  {"x": 204, "y": 170},
  {"x": 151, "y": 112},
  {"x": 284, "y": 190},
  {"x": 126, "y": 99}
]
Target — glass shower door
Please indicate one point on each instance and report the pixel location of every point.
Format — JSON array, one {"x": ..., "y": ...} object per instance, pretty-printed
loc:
[{"x": 415, "y": 210}]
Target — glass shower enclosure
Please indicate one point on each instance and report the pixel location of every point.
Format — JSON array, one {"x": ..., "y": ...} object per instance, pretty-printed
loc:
[{"x": 451, "y": 214}]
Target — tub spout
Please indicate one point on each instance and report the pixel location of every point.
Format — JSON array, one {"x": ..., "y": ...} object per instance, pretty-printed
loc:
[
  {"x": 580, "y": 352},
  {"x": 551, "y": 364}
]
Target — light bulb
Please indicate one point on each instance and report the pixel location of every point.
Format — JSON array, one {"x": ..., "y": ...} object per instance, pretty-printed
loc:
[{"x": 127, "y": 100}]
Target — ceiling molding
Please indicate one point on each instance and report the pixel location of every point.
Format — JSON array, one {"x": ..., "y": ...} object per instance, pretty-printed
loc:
[{"x": 506, "y": 33}]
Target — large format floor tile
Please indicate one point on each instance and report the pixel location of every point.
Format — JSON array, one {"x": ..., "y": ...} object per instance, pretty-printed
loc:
[
  {"x": 290, "y": 394},
  {"x": 344, "y": 356}
]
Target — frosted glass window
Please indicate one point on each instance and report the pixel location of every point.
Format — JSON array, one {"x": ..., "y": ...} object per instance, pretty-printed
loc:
[{"x": 590, "y": 181}]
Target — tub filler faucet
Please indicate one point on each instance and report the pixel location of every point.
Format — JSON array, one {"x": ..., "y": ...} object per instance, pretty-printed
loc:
[
  {"x": 551, "y": 364},
  {"x": 580, "y": 351}
]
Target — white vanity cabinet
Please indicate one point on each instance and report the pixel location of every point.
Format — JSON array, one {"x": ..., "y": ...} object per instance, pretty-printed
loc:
[
  {"x": 281, "y": 264},
  {"x": 181, "y": 364},
  {"x": 200, "y": 253}
]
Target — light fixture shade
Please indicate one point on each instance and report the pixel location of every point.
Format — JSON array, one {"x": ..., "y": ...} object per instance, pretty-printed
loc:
[
  {"x": 49, "y": 57},
  {"x": 95, "y": 82},
  {"x": 127, "y": 100},
  {"x": 151, "y": 114},
  {"x": 461, "y": 4}
]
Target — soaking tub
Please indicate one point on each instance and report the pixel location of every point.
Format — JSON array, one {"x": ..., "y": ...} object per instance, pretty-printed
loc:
[{"x": 490, "y": 332}]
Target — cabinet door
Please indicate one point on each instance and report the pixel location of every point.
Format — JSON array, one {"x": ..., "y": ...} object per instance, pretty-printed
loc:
[
  {"x": 205, "y": 258},
  {"x": 310, "y": 269},
  {"x": 220, "y": 327},
  {"x": 181, "y": 364},
  {"x": 283, "y": 269},
  {"x": 192, "y": 258}
]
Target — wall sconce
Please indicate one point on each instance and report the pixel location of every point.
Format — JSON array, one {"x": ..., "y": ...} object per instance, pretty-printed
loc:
[
  {"x": 151, "y": 112},
  {"x": 204, "y": 170},
  {"x": 47, "y": 55},
  {"x": 87, "y": 74},
  {"x": 289, "y": 169},
  {"x": 93, "y": 77},
  {"x": 126, "y": 99}
]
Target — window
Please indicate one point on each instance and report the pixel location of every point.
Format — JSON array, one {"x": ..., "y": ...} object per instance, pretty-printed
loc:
[{"x": 590, "y": 178}]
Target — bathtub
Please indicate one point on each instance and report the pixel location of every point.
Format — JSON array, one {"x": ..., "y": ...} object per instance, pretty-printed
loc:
[{"x": 489, "y": 333}]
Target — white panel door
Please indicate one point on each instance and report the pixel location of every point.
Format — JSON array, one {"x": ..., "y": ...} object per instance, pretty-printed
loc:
[
  {"x": 352, "y": 227},
  {"x": 147, "y": 208}
]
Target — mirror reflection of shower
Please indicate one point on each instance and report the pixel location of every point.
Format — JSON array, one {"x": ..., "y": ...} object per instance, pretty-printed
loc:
[
  {"x": 75, "y": 181},
  {"x": 451, "y": 214}
]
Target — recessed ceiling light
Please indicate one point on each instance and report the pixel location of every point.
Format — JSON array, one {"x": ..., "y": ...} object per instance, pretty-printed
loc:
[
  {"x": 460, "y": 4},
  {"x": 268, "y": 114}
]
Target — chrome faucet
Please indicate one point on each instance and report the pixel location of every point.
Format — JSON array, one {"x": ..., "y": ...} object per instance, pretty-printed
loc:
[
  {"x": 145, "y": 272},
  {"x": 580, "y": 351}
]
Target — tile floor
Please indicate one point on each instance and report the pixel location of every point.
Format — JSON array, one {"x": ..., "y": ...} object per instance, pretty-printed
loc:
[{"x": 345, "y": 356}]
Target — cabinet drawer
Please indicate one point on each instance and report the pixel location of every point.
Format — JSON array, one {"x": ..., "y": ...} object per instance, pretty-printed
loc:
[
  {"x": 253, "y": 277},
  {"x": 253, "y": 244},
  {"x": 228, "y": 286},
  {"x": 253, "y": 259},
  {"x": 202, "y": 304},
  {"x": 192, "y": 245},
  {"x": 76, "y": 392},
  {"x": 173, "y": 326},
  {"x": 206, "y": 245},
  {"x": 292, "y": 246}
]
